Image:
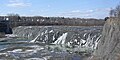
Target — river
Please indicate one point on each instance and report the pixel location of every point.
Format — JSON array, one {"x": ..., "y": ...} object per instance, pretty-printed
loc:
[{"x": 50, "y": 43}]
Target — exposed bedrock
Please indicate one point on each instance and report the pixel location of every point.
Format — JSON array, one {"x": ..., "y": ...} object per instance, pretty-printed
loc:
[{"x": 109, "y": 45}]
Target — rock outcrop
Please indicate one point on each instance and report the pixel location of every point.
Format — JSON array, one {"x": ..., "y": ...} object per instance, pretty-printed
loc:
[{"x": 109, "y": 45}]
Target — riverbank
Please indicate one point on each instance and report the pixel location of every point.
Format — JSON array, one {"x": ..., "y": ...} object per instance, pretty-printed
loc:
[{"x": 109, "y": 45}]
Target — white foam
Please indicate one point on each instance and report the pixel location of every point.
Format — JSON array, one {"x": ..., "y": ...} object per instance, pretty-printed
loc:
[
  {"x": 75, "y": 40},
  {"x": 16, "y": 50},
  {"x": 84, "y": 34},
  {"x": 53, "y": 37},
  {"x": 83, "y": 41},
  {"x": 64, "y": 38},
  {"x": 35, "y": 38},
  {"x": 35, "y": 59},
  {"x": 50, "y": 31},
  {"x": 68, "y": 43},
  {"x": 11, "y": 35},
  {"x": 61, "y": 39}
]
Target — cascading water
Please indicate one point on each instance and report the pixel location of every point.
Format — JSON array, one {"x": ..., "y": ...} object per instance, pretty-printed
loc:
[
  {"x": 35, "y": 38},
  {"x": 41, "y": 42},
  {"x": 61, "y": 39}
]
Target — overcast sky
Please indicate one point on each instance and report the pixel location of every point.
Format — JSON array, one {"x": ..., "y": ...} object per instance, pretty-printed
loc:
[{"x": 62, "y": 8}]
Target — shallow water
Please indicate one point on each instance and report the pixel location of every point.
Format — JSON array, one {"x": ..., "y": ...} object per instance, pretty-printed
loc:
[{"x": 24, "y": 50}]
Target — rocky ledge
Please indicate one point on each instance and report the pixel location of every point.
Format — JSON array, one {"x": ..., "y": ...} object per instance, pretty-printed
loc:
[{"x": 109, "y": 45}]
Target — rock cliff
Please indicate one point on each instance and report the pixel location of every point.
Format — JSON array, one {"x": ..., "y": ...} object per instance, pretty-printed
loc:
[{"x": 109, "y": 45}]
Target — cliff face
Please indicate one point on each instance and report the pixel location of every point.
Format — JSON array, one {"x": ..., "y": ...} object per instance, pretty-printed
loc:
[{"x": 109, "y": 45}]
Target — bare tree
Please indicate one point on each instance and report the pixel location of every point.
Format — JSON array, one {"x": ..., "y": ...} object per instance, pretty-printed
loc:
[
  {"x": 14, "y": 18},
  {"x": 115, "y": 12},
  {"x": 112, "y": 11},
  {"x": 118, "y": 11},
  {"x": 12, "y": 14}
]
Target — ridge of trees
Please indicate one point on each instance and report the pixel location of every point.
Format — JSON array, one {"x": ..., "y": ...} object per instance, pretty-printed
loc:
[{"x": 17, "y": 20}]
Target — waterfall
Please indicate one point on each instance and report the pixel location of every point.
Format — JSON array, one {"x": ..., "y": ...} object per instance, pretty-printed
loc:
[
  {"x": 85, "y": 37},
  {"x": 96, "y": 42},
  {"x": 64, "y": 38},
  {"x": 35, "y": 38},
  {"x": 61, "y": 39},
  {"x": 84, "y": 34}
]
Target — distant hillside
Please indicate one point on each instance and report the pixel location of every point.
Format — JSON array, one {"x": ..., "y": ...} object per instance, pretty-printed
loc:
[{"x": 39, "y": 21}]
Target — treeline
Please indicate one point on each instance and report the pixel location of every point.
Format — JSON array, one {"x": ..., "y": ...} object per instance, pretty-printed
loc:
[{"x": 16, "y": 20}]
